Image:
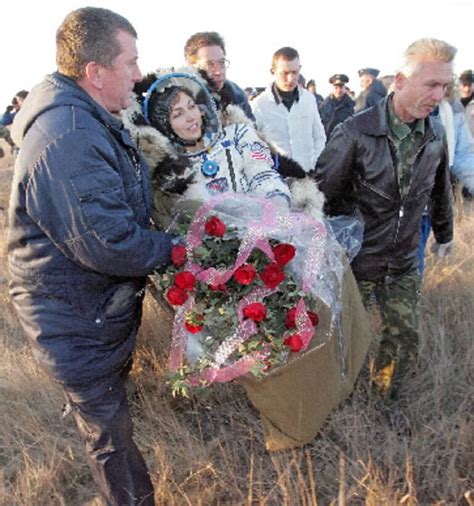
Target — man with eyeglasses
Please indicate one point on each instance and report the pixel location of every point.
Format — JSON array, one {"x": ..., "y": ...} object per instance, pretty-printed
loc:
[{"x": 206, "y": 52}]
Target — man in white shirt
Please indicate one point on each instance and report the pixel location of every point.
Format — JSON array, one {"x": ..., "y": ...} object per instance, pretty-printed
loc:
[{"x": 287, "y": 114}]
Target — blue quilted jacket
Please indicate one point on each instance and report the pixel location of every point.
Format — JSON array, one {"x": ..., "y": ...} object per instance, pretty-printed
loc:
[{"x": 79, "y": 244}]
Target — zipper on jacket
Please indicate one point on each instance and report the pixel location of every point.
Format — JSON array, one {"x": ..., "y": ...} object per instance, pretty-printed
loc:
[
  {"x": 401, "y": 210},
  {"x": 133, "y": 154},
  {"x": 400, "y": 216},
  {"x": 136, "y": 163},
  {"x": 415, "y": 163},
  {"x": 375, "y": 190}
]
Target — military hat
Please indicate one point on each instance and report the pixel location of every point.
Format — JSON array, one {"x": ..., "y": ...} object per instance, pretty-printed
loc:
[
  {"x": 339, "y": 79},
  {"x": 368, "y": 70},
  {"x": 466, "y": 77}
]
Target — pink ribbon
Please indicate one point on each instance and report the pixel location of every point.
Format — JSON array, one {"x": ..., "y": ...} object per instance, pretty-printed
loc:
[
  {"x": 304, "y": 326},
  {"x": 255, "y": 236}
]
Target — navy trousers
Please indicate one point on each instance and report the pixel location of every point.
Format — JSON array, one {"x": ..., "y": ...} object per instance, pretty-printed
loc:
[{"x": 105, "y": 427}]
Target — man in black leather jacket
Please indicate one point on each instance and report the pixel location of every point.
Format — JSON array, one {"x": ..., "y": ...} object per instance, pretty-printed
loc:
[{"x": 385, "y": 165}]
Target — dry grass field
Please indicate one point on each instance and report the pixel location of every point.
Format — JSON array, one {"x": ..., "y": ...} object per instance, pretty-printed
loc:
[{"x": 419, "y": 451}]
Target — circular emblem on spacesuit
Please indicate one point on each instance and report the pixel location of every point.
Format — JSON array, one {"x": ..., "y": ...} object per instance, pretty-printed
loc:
[{"x": 209, "y": 168}]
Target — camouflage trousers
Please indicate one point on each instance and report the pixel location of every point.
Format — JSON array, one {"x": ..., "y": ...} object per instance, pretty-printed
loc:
[{"x": 397, "y": 300}]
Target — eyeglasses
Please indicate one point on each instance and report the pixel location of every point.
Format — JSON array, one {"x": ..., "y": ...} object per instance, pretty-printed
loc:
[{"x": 211, "y": 66}]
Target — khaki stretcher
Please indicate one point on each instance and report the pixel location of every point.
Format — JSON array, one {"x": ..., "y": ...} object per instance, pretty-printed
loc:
[{"x": 295, "y": 400}]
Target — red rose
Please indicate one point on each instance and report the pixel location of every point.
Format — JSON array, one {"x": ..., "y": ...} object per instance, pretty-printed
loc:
[
  {"x": 220, "y": 287},
  {"x": 283, "y": 253},
  {"x": 313, "y": 317},
  {"x": 194, "y": 323},
  {"x": 178, "y": 255},
  {"x": 215, "y": 227},
  {"x": 255, "y": 311},
  {"x": 290, "y": 321},
  {"x": 176, "y": 296},
  {"x": 192, "y": 328},
  {"x": 185, "y": 280},
  {"x": 245, "y": 274},
  {"x": 294, "y": 342},
  {"x": 272, "y": 275}
]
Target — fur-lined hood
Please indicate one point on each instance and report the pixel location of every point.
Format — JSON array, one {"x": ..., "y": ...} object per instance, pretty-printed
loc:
[
  {"x": 159, "y": 151},
  {"x": 156, "y": 146}
]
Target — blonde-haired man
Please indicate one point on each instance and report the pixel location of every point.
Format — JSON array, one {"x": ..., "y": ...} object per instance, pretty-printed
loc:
[{"x": 385, "y": 165}]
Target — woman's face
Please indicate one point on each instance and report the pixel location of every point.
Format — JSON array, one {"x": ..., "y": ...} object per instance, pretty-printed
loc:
[{"x": 186, "y": 118}]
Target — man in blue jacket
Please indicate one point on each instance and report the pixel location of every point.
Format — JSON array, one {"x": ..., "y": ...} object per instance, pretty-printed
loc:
[
  {"x": 338, "y": 106},
  {"x": 373, "y": 89},
  {"x": 79, "y": 241}
]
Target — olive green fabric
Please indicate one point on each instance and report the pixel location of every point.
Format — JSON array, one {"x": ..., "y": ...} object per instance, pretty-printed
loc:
[
  {"x": 296, "y": 399},
  {"x": 161, "y": 211},
  {"x": 397, "y": 300},
  {"x": 167, "y": 208},
  {"x": 407, "y": 140}
]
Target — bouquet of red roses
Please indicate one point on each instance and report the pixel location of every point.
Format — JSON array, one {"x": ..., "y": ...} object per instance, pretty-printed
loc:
[{"x": 244, "y": 288}]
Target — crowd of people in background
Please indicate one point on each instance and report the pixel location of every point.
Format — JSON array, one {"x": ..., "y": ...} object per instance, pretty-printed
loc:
[
  {"x": 339, "y": 105},
  {"x": 342, "y": 102},
  {"x": 81, "y": 242}
]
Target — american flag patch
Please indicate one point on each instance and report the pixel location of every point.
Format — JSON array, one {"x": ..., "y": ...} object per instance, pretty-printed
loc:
[{"x": 259, "y": 152}]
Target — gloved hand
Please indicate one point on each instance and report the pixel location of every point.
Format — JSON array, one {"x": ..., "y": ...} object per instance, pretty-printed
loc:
[
  {"x": 442, "y": 250},
  {"x": 172, "y": 173},
  {"x": 288, "y": 167}
]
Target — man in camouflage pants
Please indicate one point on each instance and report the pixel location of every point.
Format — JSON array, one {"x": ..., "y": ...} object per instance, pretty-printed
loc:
[
  {"x": 384, "y": 166},
  {"x": 397, "y": 300}
]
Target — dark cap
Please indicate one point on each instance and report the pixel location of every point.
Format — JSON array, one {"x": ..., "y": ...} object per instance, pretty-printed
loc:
[
  {"x": 466, "y": 77},
  {"x": 368, "y": 70},
  {"x": 339, "y": 79}
]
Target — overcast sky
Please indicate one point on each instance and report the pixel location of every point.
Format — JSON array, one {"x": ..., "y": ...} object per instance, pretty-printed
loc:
[{"x": 334, "y": 37}]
